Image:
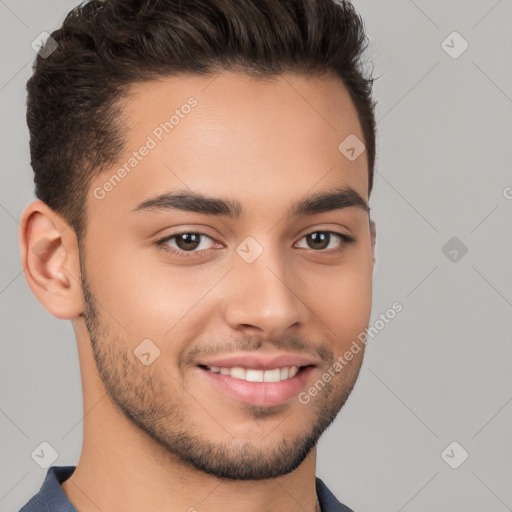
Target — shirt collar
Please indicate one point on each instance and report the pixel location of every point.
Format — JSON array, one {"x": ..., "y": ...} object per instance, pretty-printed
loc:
[
  {"x": 56, "y": 500},
  {"x": 51, "y": 496}
]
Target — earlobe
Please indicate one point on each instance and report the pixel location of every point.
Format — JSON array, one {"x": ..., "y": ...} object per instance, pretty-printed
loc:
[{"x": 49, "y": 253}]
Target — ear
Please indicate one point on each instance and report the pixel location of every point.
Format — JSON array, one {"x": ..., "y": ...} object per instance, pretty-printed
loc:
[
  {"x": 373, "y": 235},
  {"x": 49, "y": 255}
]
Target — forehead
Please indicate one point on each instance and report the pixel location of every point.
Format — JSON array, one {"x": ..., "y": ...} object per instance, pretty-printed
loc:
[{"x": 232, "y": 136}]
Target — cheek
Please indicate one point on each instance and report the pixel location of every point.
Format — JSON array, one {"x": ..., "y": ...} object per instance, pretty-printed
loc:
[
  {"x": 341, "y": 298},
  {"x": 147, "y": 298}
]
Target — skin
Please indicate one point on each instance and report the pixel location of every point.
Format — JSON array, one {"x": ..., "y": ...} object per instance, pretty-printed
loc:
[{"x": 265, "y": 144}]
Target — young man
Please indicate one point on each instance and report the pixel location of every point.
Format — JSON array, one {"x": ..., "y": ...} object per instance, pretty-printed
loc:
[{"x": 203, "y": 170}]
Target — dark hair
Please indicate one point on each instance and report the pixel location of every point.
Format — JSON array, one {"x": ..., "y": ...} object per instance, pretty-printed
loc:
[{"x": 74, "y": 110}]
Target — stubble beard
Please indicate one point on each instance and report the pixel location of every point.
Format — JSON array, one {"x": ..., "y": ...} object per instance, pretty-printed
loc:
[{"x": 144, "y": 396}]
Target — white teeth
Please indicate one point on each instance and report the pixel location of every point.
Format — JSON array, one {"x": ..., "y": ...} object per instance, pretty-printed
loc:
[
  {"x": 272, "y": 375},
  {"x": 251, "y": 375},
  {"x": 238, "y": 373},
  {"x": 293, "y": 371}
]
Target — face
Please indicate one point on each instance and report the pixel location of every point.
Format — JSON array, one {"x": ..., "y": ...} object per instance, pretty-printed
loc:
[{"x": 209, "y": 318}]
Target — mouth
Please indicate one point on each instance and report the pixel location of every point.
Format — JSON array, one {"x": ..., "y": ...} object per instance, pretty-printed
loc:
[
  {"x": 257, "y": 386},
  {"x": 257, "y": 375}
]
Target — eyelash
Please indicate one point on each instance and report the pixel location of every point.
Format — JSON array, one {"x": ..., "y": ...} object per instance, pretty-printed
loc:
[{"x": 162, "y": 243}]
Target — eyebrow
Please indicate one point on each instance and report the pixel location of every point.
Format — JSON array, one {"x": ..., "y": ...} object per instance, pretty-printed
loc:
[{"x": 186, "y": 200}]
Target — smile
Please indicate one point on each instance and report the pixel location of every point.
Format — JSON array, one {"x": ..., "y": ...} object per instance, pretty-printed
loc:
[
  {"x": 269, "y": 387},
  {"x": 254, "y": 375}
]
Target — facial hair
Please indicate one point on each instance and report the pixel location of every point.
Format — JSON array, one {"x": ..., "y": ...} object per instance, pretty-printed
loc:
[{"x": 144, "y": 395}]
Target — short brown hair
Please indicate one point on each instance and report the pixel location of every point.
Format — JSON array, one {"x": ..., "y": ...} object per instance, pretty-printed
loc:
[{"x": 73, "y": 111}]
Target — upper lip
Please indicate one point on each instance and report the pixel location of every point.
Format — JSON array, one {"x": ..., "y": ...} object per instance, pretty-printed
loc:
[{"x": 260, "y": 361}]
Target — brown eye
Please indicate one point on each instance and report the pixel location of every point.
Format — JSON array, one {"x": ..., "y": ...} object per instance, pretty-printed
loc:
[
  {"x": 318, "y": 240},
  {"x": 321, "y": 240},
  {"x": 188, "y": 241},
  {"x": 186, "y": 244}
]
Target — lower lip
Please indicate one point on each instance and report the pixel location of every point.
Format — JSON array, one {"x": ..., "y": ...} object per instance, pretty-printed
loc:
[{"x": 259, "y": 393}]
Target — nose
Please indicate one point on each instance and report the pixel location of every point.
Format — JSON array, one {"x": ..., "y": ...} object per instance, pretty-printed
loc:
[{"x": 262, "y": 299}]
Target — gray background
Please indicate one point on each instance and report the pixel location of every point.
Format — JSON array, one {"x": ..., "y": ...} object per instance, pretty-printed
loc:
[{"x": 440, "y": 371}]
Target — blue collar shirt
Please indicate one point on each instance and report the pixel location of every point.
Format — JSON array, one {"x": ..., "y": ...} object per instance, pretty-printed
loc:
[{"x": 51, "y": 497}]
